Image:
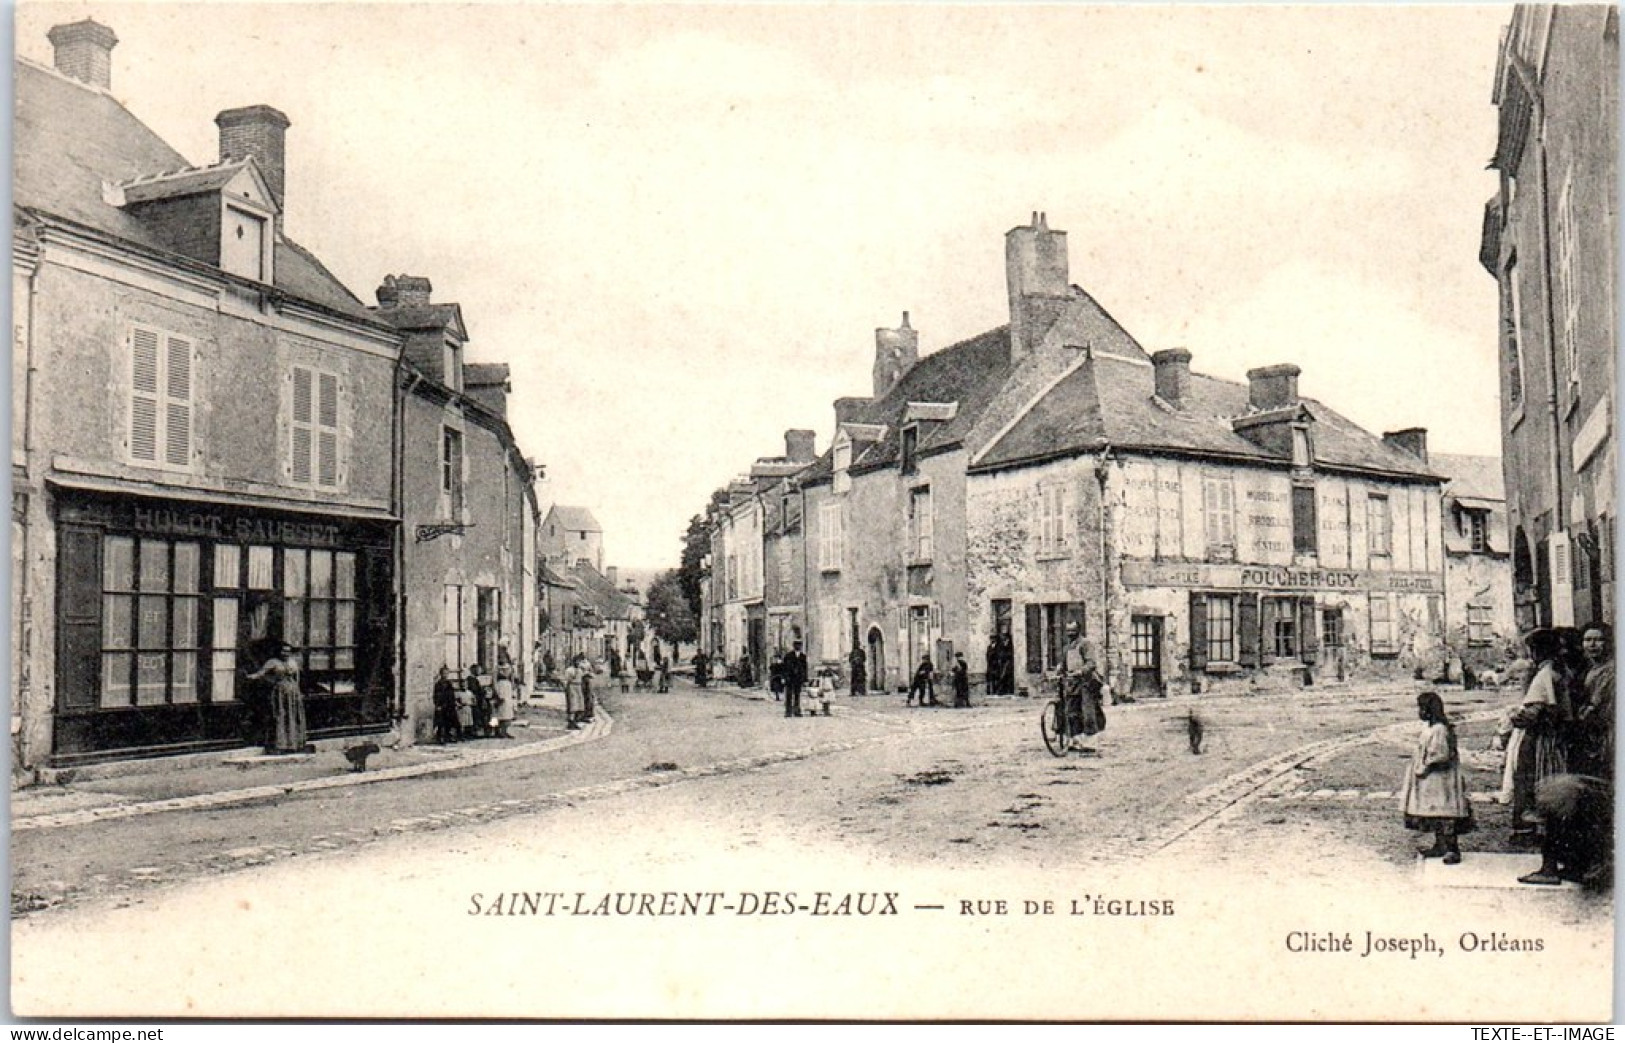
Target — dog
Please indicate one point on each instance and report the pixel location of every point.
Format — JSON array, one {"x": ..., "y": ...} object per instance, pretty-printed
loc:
[{"x": 357, "y": 755}]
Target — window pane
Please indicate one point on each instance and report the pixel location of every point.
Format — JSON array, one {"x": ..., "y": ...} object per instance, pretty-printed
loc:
[
  {"x": 154, "y": 565},
  {"x": 320, "y": 660},
  {"x": 321, "y": 623},
  {"x": 225, "y": 623},
  {"x": 116, "y": 679},
  {"x": 321, "y": 573},
  {"x": 116, "y": 610},
  {"x": 226, "y": 558},
  {"x": 186, "y": 563},
  {"x": 183, "y": 683},
  {"x": 294, "y": 581},
  {"x": 183, "y": 633},
  {"x": 344, "y": 624},
  {"x": 152, "y": 630},
  {"x": 149, "y": 680},
  {"x": 293, "y": 623},
  {"x": 118, "y": 563},
  {"x": 259, "y": 568},
  {"x": 344, "y": 576},
  {"x": 224, "y": 688}
]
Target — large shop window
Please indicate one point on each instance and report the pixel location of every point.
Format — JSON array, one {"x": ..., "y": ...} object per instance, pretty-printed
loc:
[
  {"x": 1046, "y": 632},
  {"x": 319, "y": 599},
  {"x": 160, "y": 432},
  {"x": 150, "y": 600}
]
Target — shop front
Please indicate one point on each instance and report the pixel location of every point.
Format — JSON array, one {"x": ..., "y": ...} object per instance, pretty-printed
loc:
[{"x": 163, "y": 607}]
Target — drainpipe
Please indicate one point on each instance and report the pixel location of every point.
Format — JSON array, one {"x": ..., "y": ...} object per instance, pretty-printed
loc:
[
  {"x": 1102, "y": 474},
  {"x": 405, "y": 383}
]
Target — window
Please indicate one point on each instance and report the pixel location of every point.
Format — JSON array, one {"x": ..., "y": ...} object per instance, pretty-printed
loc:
[
  {"x": 1281, "y": 627},
  {"x": 1221, "y": 628},
  {"x": 1379, "y": 525},
  {"x": 1478, "y": 525},
  {"x": 731, "y": 567},
  {"x": 920, "y": 524},
  {"x": 1046, "y": 633},
  {"x": 242, "y": 250},
  {"x": 160, "y": 431},
  {"x": 451, "y": 370},
  {"x": 1304, "y": 529},
  {"x": 451, "y": 472},
  {"x": 318, "y": 614},
  {"x": 1480, "y": 629},
  {"x": 1511, "y": 319},
  {"x": 1051, "y": 520},
  {"x": 831, "y": 632},
  {"x": 1331, "y": 628},
  {"x": 1384, "y": 640},
  {"x": 1219, "y": 516},
  {"x": 1143, "y": 643},
  {"x": 487, "y": 625},
  {"x": 842, "y": 462},
  {"x": 910, "y": 443},
  {"x": 1302, "y": 455},
  {"x": 315, "y": 428},
  {"x": 451, "y": 626},
  {"x": 150, "y": 612},
  {"x": 831, "y": 537},
  {"x": 1568, "y": 301}
]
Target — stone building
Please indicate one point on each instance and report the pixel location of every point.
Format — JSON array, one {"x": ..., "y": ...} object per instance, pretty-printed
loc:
[
  {"x": 784, "y": 577},
  {"x": 201, "y": 442},
  {"x": 571, "y": 534},
  {"x": 468, "y": 503},
  {"x": 1550, "y": 240},
  {"x": 1480, "y": 625}
]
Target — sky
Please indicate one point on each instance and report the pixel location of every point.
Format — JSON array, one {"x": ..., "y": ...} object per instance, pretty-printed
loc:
[{"x": 680, "y": 225}]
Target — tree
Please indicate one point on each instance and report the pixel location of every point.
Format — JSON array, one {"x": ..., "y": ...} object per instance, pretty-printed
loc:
[
  {"x": 668, "y": 611},
  {"x": 696, "y": 548}
]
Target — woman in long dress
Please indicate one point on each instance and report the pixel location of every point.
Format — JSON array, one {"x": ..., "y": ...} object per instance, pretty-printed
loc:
[
  {"x": 287, "y": 701},
  {"x": 572, "y": 695},
  {"x": 504, "y": 693},
  {"x": 1536, "y": 750}
]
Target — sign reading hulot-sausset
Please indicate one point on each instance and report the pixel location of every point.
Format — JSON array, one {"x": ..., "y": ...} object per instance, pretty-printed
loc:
[
  {"x": 211, "y": 522},
  {"x": 1275, "y": 577}
]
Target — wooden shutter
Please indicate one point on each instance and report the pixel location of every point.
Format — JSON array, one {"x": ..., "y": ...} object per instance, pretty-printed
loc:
[
  {"x": 303, "y": 424},
  {"x": 178, "y": 402},
  {"x": 144, "y": 395},
  {"x": 1035, "y": 639},
  {"x": 1308, "y": 631},
  {"x": 1247, "y": 629},
  {"x": 1198, "y": 631},
  {"x": 79, "y": 617},
  {"x": 327, "y": 429}
]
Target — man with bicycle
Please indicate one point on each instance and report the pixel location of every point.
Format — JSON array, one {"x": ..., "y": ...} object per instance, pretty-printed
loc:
[{"x": 1080, "y": 686}]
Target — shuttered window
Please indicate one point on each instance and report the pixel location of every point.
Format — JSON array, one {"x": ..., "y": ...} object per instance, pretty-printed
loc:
[
  {"x": 1303, "y": 519},
  {"x": 161, "y": 384},
  {"x": 314, "y": 451},
  {"x": 1052, "y": 520},
  {"x": 1219, "y": 517},
  {"x": 1384, "y": 639}
]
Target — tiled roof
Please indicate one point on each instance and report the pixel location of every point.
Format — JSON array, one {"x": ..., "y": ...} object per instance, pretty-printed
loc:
[
  {"x": 595, "y": 589},
  {"x": 969, "y": 373},
  {"x": 485, "y": 374},
  {"x": 1472, "y": 477},
  {"x": 176, "y": 183},
  {"x": 69, "y": 139},
  {"x": 574, "y": 519},
  {"x": 1107, "y": 400},
  {"x": 420, "y": 316}
]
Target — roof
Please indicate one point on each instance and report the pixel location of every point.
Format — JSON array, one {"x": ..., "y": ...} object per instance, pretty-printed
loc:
[
  {"x": 1470, "y": 477},
  {"x": 1109, "y": 401},
  {"x": 485, "y": 374},
  {"x": 173, "y": 184},
  {"x": 574, "y": 519},
  {"x": 69, "y": 139},
  {"x": 423, "y": 317},
  {"x": 595, "y": 589},
  {"x": 552, "y": 578}
]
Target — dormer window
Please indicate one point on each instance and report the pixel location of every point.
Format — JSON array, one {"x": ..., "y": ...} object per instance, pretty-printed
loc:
[
  {"x": 843, "y": 463},
  {"x": 451, "y": 366},
  {"x": 183, "y": 209},
  {"x": 242, "y": 248}
]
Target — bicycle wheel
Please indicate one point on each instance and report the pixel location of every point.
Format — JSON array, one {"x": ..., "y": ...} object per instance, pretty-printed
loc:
[{"x": 1050, "y": 723}]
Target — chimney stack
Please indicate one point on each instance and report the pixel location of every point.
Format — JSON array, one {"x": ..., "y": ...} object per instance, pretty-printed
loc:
[
  {"x": 1173, "y": 369},
  {"x": 1272, "y": 387},
  {"x": 1035, "y": 268},
  {"x": 84, "y": 51},
  {"x": 798, "y": 446},
  {"x": 259, "y": 131},
  {"x": 849, "y": 409},
  {"x": 896, "y": 351},
  {"x": 1412, "y": 440}
]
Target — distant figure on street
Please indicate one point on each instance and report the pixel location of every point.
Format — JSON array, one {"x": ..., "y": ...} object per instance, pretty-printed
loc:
[
  {"x": 445, "y": 708},
  {"x": 858, "y": 665},
  {"x": 573, "y": 702},
  {"x": 504, "y": 692},
  {"x": 961, "y": 679},
  {"x": 1435, "y": 799},
  {"x": 775, "y": 675},
  {"x": 702, "y": 669},
  {"x": 794, "y": 671},
  {"x": 662, "y": 670},
  {"x": 826, "y": 688},
  {"x": 924, "y": 684},
  {"x": 287, "y": 701},
  {"x": 617, "y": 668},
  {"x": 586, "y": 690},
  {"x": 480, "y": 707},
  {"x": 548, "y": 664}
]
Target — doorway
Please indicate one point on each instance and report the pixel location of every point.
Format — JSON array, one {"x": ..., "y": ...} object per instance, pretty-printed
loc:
[
  {"x": 1145, "y": 648},
  {"x": 877, "y": 660}
]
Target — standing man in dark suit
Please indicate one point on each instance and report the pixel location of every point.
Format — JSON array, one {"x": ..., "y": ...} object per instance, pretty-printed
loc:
[
  {"x": 961, "y": 677},
  {"x": 794, "y": 671}
]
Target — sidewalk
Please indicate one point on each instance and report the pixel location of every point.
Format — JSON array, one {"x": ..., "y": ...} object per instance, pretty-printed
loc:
[{"x": 125, "y": 789}]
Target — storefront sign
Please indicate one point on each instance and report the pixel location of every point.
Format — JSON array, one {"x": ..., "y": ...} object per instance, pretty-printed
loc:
[
  {"x": 207, "y": 522},
  {"x": 1274, "y": 577}
]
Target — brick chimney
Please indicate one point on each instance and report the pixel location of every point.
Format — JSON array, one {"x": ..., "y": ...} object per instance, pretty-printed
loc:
[
  {"x": 84, "y": 51},
  {"x": 849, "y": 409},
  {"x": 1272, "y": 387},
  {"x": 1173, "y": 369},
  {"x": 896, "y": 351},
  {"x": 1035, "y": 272},
  {"x": 799, "y": 446},
  {"x": 1412, "y": 440},
  {"x": 259, "y": 131}
]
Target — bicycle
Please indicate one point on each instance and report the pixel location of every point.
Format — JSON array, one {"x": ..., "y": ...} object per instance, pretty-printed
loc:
[{"x": 1053, "y": 724}]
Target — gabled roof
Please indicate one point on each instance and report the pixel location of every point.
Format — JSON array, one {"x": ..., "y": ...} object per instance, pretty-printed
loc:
[
  {"x": 573, "y": 519},
  {"x": 69, "y": 140},
  {"x": 425, "y": 317},
  {"x": 552, "y": 578},
  {"x": 1110, "y": 401},
  {"x": 1471, "y": 477},
  {"x": 595, "y": 589},
  {"x": 196, "y": 181}
]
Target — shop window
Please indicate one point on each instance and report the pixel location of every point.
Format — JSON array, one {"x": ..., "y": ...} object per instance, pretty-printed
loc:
[
  {"x": 1379, "y": 525},
  {"x": 318, "y": 615},
  {"x": 1219, "y": 516},
  {"x": 1221, "y": 628},
  {"x": 314, "y": 451},
  {"x": 1281, "y": 627},
  {"x": 1143, "y": 643},
  {"x": 161, "y": 378},
  {"x": 150, "y": 621}
]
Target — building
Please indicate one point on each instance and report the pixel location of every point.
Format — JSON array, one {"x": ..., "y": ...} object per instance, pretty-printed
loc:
[
  {"x": 1550, "y": 240},
  {"x": 784, "y": 565},
  {"x": 201, "y": 447},
  {"x": 1480, "y": 625},
  {"x": 468, "y": 503},
  {"x": 569, "y": 535}
]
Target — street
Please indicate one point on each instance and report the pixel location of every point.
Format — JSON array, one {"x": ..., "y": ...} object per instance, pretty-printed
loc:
[{"x": 877, "y": 816}]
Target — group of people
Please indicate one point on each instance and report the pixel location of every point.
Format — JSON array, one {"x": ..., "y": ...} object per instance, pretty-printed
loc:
[
  {"x": 923, "y": 686},
  {"x": 1559, "y": 761},
  {"x": 483, "y": 708}
]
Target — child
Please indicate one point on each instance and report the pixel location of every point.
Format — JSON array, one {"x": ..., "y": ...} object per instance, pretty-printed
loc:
[
  {"x": 826, "y": 688},
  {"x": 446, "y": 728},
  {"x": 1435, "y": 797}
]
